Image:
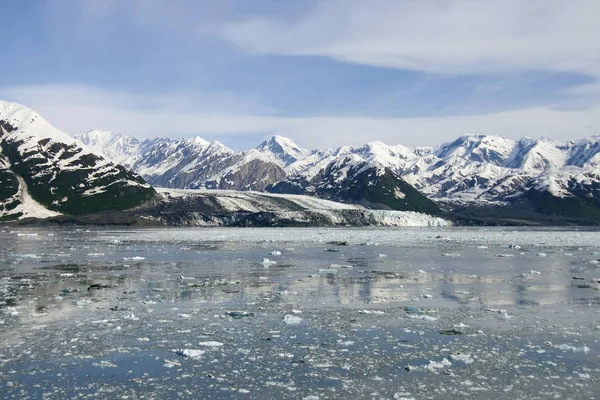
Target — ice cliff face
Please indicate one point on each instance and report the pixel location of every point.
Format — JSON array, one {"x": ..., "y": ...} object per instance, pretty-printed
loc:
[{"x": 44, "y": 172}]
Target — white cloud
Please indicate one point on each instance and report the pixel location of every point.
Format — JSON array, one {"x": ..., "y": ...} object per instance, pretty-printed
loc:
[
  {"x": 440, "y": 36},
  {"x": 76, "y": 109}
]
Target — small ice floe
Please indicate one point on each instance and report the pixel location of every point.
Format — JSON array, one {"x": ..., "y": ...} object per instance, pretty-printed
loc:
[
  {"x": 143, "y": 339},
  {"x": 582, "y": 375},
  {"x": 434, "y": 365},
  {"x": 82, "y": 303},
  {"x": 26, "y": 256},
  {"x": 131, "y": 317},
  {"x": 421, "y": 271},
  {"x": 210, "y": 343},
  {"x": 541, "y": 254},
  {"x": 275, "y": 253},
  {"x": 296, "y": 311},
  {"x": 381, "y": 255},
  {"x": 171, "y": 363},
  {"x": 496, "y": 310},
  {"x": 371, "y": 312},
  {"x": 514, "y": 246},
  {"x": 337, "y": 266},
  {"x": 427, "y": 318},
  {"x": 327, "y": 270},
  {"x": 134, "y": 258},
  {"x": 27, "y": 234},
  {"x": 185, "y": 316},
  {"x": 66, "y": 275},
  {"x": 239, "y": 314},
  {"x": 11, "y": 312},
  {"x": 482, "y": 247},
  {"x": 95, "y": 254},
  {"x": 450, "y": 254},
  {"x": 413, "y": 310},
  {"x": 574, "y": 349},
  {"x": 189, "y": 353},
  {"x": 292, "y": 319},
  {"x": 311, "y": 397},
  {"x": 427, "y": 296},
  {"x": 534, "y": 272},
  {"x": 267, "y": 263},
  {"x": 104, "y": 364},
  {"x": 466, "y": 358}
]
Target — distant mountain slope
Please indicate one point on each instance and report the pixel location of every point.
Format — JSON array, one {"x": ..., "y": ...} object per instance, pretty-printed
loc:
[
  {"x": 470, "y": 171},
  {"x": 43, "y": 171}
]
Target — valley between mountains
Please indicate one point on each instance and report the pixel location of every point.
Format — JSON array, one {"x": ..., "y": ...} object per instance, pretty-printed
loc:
[{"x": 111, "y": 177}]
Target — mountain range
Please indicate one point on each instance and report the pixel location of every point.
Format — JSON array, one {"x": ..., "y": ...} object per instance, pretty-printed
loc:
[
  {"x": 474, "y": 178},
  {"x": 473, "y": 175}
]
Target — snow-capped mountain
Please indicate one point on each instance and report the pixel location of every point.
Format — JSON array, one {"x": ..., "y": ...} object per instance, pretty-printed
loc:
[
  {"x": 473, "y": 170},
  {"x": 45, "y": 172}
]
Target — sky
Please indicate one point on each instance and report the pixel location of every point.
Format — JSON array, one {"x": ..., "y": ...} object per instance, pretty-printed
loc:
[{"x": 321, "y": 72}]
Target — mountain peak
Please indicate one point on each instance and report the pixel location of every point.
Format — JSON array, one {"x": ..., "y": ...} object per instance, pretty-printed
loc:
[{"x": 283, "y": 149}]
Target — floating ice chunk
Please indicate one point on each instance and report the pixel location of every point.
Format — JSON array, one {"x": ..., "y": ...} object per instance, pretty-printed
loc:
[
  {"x": 170, "y": 363},
  {"x": 574, "y": 349},
  {"x": 370, "y": 312},
  {"x": 427, "y": 296},
  {"x": 239, "y": 314},
  {"x": 131, "y": 317},
  {"x": 403, "y": 396},
  {"x": 186, "y": 316},
  {"x": 104, "y": 364},
  {"x": 26, "y": 256},
  {"x": 296, "y": 311},
  {"x": 327, "y": 271},
  {"x": 275, "y": 253},
  {"x": 582, "y": 375},
  {"x": 466, "y": 358},
  {"x": 542, "y": 254},
  {"x": 266, "y": 262},
  {"x": 533, "y": 272},
  {"x": 433, "y": 365},
  {"x": 382, "y": 255},
  {"x": 143, "y": 339},
  {"x": 82, "y": 303},
  {"x": 482, "y": 247},
  {"x": 514, "y": 246},
  {"x": 95, "y": 254},
  {"x": 496, "y": 310},
  {"x": 450, "y": 254},
  {"x": 189, "y": 353},
  {"x": 211, "y": 343},
  {"x": 292, "y": 319},
  {"x": 340, "y": 266},
  {"x": 311, "y": 397},
  {"x": 421, "y": 271},
  {"x": 424, "y": 317},
  {"x": 135, "y": 258},
  {"x": 11, "y": 312}
]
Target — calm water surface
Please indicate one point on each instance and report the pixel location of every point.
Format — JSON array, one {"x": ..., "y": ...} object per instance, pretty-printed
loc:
[{"x": 293, "y": 313}]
